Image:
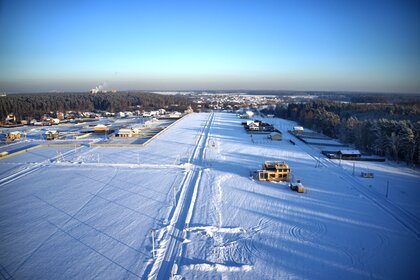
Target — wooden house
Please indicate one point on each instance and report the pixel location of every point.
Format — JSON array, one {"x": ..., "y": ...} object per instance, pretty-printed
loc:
[{"x": 275, "y": 171}]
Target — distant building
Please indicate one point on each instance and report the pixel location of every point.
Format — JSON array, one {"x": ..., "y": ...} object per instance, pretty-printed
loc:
[
  {"x": 100, "y": 128},
  {"x": 13, "y": 135},
  {"x": 52, "y": 134},
  {"x": 349, "y": 154},
  {"x": 60, "y": 116},
  {"x": 298, "y": 129}
]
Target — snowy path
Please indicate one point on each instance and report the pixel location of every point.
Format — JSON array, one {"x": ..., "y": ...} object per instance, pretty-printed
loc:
[{"x": 165, "y": 263}]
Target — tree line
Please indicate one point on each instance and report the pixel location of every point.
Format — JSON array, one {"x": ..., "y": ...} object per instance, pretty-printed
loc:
[
  {"x": 390, "y": 130},
  {"x": 36, "y": 104}
]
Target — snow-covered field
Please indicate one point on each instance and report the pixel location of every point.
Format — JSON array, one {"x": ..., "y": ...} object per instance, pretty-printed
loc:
[{"x": 89, "y": 213}]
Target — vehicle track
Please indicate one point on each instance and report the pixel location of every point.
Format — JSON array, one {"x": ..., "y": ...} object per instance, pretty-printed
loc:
[{"x": 170, "y": 245}]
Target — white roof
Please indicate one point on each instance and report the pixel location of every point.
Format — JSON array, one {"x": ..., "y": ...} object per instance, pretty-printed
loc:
[
  {"x": 100, "y": 126},
  {"x": 349, "y": 152},
  {"x": 51, "y": 131},
  {"x": 125, "y": 130},
  {"x": 298, "y": 127}
]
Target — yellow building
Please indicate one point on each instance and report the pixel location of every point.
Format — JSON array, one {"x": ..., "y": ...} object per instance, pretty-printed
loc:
[{"x": 274, "y": 171}]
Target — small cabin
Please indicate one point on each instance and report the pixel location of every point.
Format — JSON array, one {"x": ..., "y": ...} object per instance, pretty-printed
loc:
[
  {"x": 275, "y": 171},
  {"x": 51, "y": 135}
]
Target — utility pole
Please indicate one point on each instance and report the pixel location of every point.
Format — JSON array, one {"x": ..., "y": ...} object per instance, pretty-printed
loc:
[
  {"x": 387, "y": 188},
  {"x": 353, "y": 168}
]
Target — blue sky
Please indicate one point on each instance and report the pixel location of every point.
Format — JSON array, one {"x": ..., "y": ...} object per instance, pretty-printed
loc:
[{"x": 289, "y": 45}]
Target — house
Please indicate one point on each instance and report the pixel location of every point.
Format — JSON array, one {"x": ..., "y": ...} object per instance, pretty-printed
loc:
[
  {"x": 51, "y": 134},
  {"x": 100, "y": 128},
  {"x": 250, "y": 114},
  {"x": 54, "y": 121},
  {"x": 175, "y": 115},
  {"x": 298, "y": 129},
  {"x": 13, "y": 135},
  {"x": 349, "y": 154},
  {"x": 276, "y": 136},
  {"x": 10, "y": 118},
  {"x": 274, "y": 171},
  {"x": 125, "y": 132},
  {"x": 259, "y": 127},
  {"x": 60, "y": 115}
]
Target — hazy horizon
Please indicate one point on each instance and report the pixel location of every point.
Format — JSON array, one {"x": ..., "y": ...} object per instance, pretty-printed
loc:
[{"x": 359, "y": 46}]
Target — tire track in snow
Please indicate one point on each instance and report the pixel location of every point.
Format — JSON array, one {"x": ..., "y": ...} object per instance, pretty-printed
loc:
[{"x": 170, "y": 244}]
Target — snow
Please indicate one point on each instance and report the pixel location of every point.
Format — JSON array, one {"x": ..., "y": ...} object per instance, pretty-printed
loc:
[{"x": 89, "y": 212}]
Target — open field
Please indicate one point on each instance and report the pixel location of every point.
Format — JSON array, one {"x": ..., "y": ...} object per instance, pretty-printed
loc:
[{"x": 89, "y": 212}]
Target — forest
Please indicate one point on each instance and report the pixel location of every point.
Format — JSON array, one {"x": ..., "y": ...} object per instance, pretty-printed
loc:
[
  {"x": 36, "y": 104},
  {"x": 389, "y": 130}
]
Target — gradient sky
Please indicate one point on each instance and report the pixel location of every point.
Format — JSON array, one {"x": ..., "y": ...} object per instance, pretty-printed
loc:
[{"x": 289, "y": 45}]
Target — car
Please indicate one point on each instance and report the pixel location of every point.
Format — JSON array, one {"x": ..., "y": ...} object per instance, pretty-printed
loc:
[{"x": 297, "y": 186}]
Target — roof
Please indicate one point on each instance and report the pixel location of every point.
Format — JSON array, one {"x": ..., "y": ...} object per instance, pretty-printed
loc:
[
  {"x": 125, "y": 130},
  {"x": 298, "y": 127},
  {"x": 349, "y": 152},
  {"x": 100, "y": 126}
]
